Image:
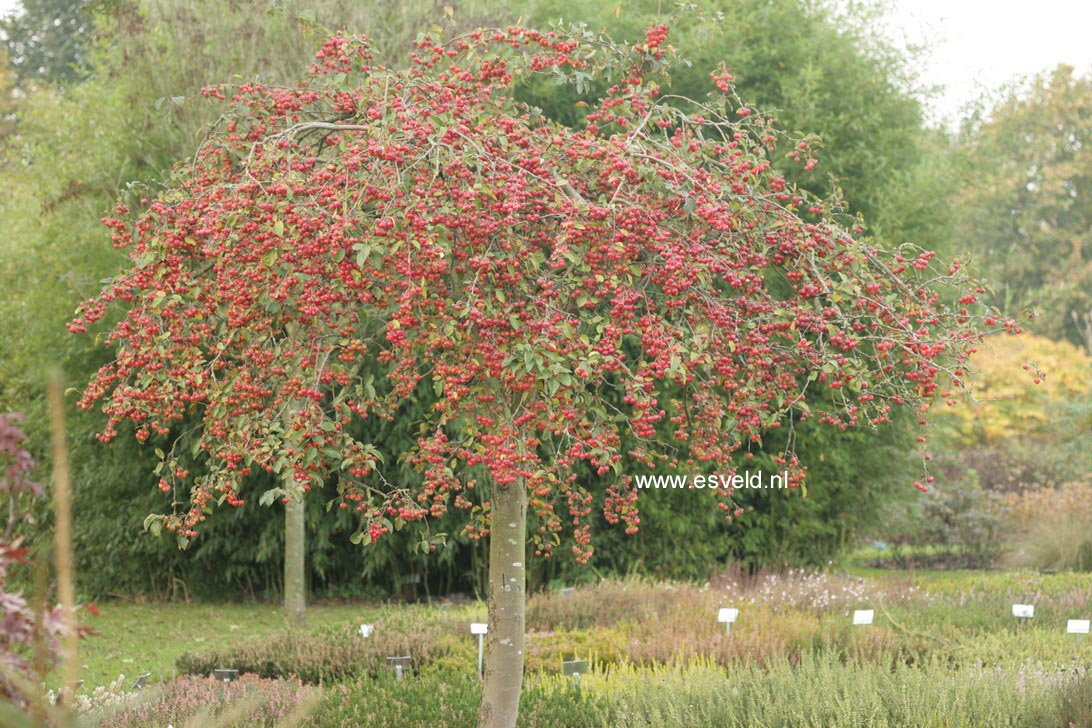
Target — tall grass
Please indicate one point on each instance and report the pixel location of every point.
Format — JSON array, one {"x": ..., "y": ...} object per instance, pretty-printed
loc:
[{"x": 1054, "y": 527}]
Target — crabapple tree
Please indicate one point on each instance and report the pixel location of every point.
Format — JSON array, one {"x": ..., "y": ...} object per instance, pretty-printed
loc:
[{"x": 647, "y": 278}]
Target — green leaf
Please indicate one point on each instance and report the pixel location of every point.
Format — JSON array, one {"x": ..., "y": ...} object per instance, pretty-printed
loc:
[
  {"x": 278, "y": 228},
  {"x": 267, "y": 498},
  {"x": 363, "y": 252},
  {"x": 153, "y": 524}
]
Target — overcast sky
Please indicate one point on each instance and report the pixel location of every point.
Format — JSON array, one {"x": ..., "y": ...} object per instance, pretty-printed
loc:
[{"x": 980, "y": 44}]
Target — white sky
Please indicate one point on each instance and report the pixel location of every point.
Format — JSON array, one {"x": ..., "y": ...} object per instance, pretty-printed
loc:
[
  {"x": 977, "y": 45},
  {"x": 980, "y": 44}
]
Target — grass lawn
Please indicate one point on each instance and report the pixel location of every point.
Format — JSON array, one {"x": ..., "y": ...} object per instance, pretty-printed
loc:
[{"x": 137, "y": 638}]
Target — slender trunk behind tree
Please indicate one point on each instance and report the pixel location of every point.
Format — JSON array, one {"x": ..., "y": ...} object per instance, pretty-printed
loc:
[{"x": 507, "y": 586}]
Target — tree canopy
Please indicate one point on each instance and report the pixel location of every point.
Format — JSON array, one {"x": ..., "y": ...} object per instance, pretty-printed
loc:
[
  {"x": 469, "y": 244},
  {"x": 47, "y": 39},
  {"x": 1024, "y": 206}
]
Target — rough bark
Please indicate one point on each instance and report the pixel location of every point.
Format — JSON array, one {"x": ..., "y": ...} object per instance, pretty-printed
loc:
[{"x": 507, "y": 585}]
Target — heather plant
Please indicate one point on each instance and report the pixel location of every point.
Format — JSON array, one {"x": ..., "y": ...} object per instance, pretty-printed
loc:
[
  {"x": 615, "y": 601},
  {"x": 1076, "y": 700},
  {"x": 332, "y": 655},
  {"x": 606, "y": 603},
  {"x": 604, "y": 645},
  {"x": 1056, "y": 597},
  {"x": 783, "y": 616},
  {"x": 812, "y": 590},
  {"x": 247, "y": 702},
  {"x": 819, "y": 690},
  {"x": 824, "y": 690},
  {"x": 103, "y": 699},
  {"x": 432, "y": 702}
]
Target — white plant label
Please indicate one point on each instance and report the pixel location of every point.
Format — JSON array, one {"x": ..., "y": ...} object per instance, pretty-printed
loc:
[
  {"x": 366, "y": 630},
  {"x": 727, "y": 614},
  {"x": 479, "y": 628},
  {"x": 863, "y": 616},
  {"x": 1023, "y": 610},
  {"x": 1077, "y": 626}
]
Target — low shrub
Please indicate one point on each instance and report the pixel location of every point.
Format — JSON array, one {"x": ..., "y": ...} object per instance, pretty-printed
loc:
[
  {"x": 1076, "y": 701},
  {"x": 781, "y": 616},
  {"x": 432, "y": 702},
  {"x": 955, "y": 525},
  {"x": 545, "y": 651},
  {"x": 613, "y": 602},
  {"x": 248, "y": 702},
  {"x": 606, "y": 603},
  {"x": 330, "y": 655}
]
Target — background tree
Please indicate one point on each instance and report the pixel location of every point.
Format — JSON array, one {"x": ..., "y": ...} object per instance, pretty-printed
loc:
[
  {"x": 811, "y": 65},
  {"x": 1026, "y": 422},
  {"x": 1024, "y": 207},
  {"x": 1012, "y": 465},
  {"x": 525, "y": 271},
  {"x": 7, "y": 100},
  {"x": 46, "y": 40}
]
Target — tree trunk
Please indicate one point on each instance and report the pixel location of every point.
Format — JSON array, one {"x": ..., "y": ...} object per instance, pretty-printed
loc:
[
  {"x": 295, "y": 600},
  {"x": 507, "y": 585}
]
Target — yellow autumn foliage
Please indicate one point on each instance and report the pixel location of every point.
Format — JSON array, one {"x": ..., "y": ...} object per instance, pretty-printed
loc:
[{"x": 1023, "y": 387}]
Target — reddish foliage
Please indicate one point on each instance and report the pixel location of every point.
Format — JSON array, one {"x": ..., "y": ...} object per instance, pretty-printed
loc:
[{"x": 20, "y": 627}]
